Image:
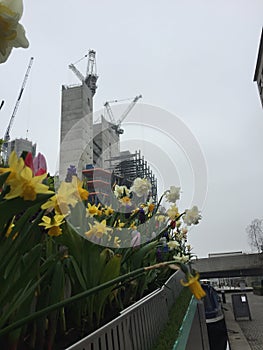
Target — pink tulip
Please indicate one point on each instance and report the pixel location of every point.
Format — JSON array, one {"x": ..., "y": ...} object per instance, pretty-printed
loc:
[
  {"x": 39, "y": 165},
  {"x": 136, "y": 240}
]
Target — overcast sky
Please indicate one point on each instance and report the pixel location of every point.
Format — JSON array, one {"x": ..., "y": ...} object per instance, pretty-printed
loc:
[{"x": 194, "y": 60}]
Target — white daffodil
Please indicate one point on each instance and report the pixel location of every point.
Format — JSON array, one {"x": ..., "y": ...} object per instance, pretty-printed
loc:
[
  {"x": 173, "y": 194},
  {"x": 192, "y": 216},
  {"x": 121, "y": 191},
  {"x": 173, "y": 244},
  {"x": 12, "y": 33},
  {"x": 141, "y": 187},
  {"x": 181, "y": 258}
]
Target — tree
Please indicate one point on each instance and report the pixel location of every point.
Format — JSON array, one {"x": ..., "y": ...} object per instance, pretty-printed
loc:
[{"x": 255, "y": 234}]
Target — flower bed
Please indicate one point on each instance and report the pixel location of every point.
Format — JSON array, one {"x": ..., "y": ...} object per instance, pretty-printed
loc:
[{"x": 66, "y": 261}]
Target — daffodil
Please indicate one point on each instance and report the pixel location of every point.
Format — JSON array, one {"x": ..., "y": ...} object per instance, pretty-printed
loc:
[
  {"x": 108, "y": 210},
  {"x": 121, "y": 191},
  {"x": 27, "y": 186},
  {"x": 12, "y": 33},
  {"x": 15, "y": 165},
  {"x": 98, "y": 229},
  {"x": 119, "y": 225},
  {"x": 81, "y": 193},
  {"x": 173, "y": 194},
  {"x": 116, "y": 242},
  {"x": 53, "y": 224},
  {"x": 63, "y": 199},
  {"x": 92, "y": 210},
  {"x": 172, "y": 212},
  {"x": 173, "y": 244},
  {"x": 192, "y": 216},
  {"x": 125, "y": 201},
  {"x": 194, "y": 286},
  {"x": 141, "y": 187},
  {"x": 160, "y": 218}
]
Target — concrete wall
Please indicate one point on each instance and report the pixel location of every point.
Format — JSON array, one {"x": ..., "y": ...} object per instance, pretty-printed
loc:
[
  {"x": 108, "y": 141},
  {"x": 76, "y": 146},
  {"x": 230, "y": 266}
]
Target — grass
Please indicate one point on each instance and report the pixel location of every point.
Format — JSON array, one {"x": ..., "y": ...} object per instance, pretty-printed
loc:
[{"x": 170, "y": 333}]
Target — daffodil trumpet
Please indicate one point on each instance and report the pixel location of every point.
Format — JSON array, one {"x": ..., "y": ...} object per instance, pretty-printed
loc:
[{"x": 194, "y": 286}]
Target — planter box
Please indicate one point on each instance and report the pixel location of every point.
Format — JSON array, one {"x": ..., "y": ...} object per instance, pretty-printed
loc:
[{"x": 138, "y": 326}]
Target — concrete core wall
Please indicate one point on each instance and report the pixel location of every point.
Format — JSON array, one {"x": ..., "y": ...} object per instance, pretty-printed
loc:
[{"x": 76, "y": 146}]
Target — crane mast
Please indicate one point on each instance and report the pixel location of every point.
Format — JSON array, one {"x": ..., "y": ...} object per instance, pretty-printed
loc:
[
  {"x": 91, "y": 77},
  {"x": 7, "y": 133}
]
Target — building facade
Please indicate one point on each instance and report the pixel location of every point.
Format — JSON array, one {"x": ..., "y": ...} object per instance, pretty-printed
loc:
[{"x": 20, "y": 146}]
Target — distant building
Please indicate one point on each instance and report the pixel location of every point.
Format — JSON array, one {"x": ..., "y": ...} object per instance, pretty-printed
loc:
[
  {"x": 106, "y": 144},
  {"x": 258, "y": 76},
  {"x": 21, "y": 145}
]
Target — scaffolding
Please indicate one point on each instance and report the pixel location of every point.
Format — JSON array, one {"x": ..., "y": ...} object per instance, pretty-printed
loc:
[{"x": 129, "y": 167}]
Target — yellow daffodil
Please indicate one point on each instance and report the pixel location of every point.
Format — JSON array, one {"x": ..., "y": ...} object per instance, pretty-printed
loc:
[
  {"x": 98, "y": 229},
  {"x": 125, "y": 201},
  {"x": 12, "y": 33},
  {"x": 172, "y": 212},
  {"x": 116, "y": 242},
  {"x": 160, "y": 218},
  {"x": 119, "y": 225},
  {"x": 15, "y": 165},
  {"x": 108, "y": 210},
  {"x": 61, "y": 201},
  {"x": 194, "y": 286},
  {"x": 52, "y": 224},
  {"x": 81, "y": 193},
  {"x": 151, "y": 207},
  {"x": 92, "y": 210},
  {"x": 27, "y": 186},
  {"x": 133, "y": 226}
]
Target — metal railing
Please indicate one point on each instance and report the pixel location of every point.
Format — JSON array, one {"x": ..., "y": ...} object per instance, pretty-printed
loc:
[{"x": 138, "y": 326}]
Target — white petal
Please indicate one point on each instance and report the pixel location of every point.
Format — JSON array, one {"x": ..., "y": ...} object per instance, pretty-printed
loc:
[
  {"x": 3, "y": 58},
  {"x": 14, "y": 5},
  {"x": 20, "y": 40}
]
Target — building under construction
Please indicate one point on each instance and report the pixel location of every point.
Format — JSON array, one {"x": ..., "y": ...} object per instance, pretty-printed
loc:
[
  {"x": 129, "y": 167},
  {"x": 94, "y": 148}
]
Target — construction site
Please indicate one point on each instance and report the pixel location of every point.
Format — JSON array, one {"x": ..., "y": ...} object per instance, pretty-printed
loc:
[{"x": 93, "y": 147}]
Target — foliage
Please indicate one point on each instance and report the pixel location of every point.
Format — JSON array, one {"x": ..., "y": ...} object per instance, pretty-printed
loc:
[{"x": 255, "y": 234}]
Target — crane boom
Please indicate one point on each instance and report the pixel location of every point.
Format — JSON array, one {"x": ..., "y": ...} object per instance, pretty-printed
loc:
[
  {"x": 109, "y": 111},
  {"x": 129, "y": 108},
  {"x": 77, "y": 72},
  {"x": 116, "y": 125},
  {"x": 7, "y": 133}
]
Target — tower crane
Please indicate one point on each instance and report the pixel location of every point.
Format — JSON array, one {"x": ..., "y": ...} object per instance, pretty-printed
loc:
[
  {"x": 91, "y": 77},
  {"x": 116, "y": 124},
  {"x": 7, "y": 133}
]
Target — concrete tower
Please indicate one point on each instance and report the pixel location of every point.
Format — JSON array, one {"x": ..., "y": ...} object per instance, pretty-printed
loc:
[{"x": 76, "y": 145}]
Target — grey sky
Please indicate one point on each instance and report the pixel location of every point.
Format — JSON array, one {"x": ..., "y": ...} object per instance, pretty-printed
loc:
[{"x": 194, "y": 59}]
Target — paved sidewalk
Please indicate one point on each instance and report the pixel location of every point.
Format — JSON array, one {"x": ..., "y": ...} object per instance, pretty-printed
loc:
[{"x": 252, "y": 330}]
